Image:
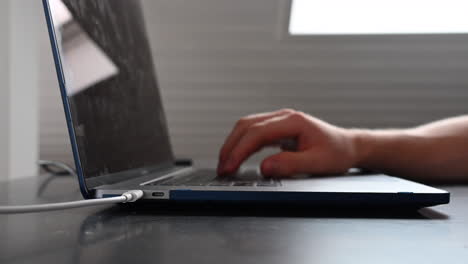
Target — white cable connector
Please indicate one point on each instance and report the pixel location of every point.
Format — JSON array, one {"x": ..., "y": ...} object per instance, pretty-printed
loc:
[
  {"x": 127, "y": 197},
  {"x": 133, "y": 195}
]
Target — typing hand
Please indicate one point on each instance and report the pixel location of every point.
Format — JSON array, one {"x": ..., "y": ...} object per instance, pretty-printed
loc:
[{"x": 319, "y": 147}]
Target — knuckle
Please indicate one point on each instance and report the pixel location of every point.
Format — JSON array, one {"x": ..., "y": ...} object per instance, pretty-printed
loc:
[
  {"x": 297, "y": 115},
  {"x": 287, "y": 110},
  {"x": 241, "y": 122}
]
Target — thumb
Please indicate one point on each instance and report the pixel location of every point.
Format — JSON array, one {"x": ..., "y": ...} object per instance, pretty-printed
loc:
[{"x": 285, "y": 164}]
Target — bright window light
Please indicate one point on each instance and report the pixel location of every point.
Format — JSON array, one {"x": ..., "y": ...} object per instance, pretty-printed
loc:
[{"x": 310, "y": 17}]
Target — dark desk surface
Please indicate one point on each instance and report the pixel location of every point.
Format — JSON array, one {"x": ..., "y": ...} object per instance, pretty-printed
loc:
[{"x": 120, "y": 234}]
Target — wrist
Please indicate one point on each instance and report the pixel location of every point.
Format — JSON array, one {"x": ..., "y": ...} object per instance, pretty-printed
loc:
[
  {"x": 363, "y": 145},
  {"x": 374, "y": 148}
]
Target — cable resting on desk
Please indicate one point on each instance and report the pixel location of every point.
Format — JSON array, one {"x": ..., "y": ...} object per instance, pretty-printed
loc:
[{"x": 127, "y": 197}]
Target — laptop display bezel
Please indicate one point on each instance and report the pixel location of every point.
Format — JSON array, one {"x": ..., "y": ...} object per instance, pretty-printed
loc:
[{"x": 87, "y": 186}]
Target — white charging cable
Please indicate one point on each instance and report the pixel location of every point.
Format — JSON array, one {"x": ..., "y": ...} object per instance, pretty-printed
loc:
[{"x": 127, "y": 197}]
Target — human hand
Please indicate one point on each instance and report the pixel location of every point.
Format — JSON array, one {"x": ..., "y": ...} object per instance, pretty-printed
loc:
[{"x": 321, "y": 147}]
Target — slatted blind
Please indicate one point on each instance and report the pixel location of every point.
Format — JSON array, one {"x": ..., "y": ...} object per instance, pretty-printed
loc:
[{"x": 218, "y": 60}]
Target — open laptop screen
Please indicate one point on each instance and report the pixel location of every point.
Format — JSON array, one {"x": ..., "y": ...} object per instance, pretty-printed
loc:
[{"x": 115, "y": 106}]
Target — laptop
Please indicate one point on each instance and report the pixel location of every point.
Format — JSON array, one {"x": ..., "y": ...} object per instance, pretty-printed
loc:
[{"x": 119, "y": 134}]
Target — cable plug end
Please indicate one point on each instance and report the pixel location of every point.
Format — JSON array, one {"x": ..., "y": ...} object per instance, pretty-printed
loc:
[{"x": 133, "y": 195}]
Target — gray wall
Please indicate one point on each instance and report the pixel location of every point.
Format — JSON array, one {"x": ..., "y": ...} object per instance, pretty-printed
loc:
[
  {"x": 218, "y": 60},
  {"x": 25, "y": 25},
  {"x": 20, "y": 25},
  {"x": 4, "y": 89}
]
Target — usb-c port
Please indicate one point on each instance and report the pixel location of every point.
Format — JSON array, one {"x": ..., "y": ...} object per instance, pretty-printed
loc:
[{"x": 157, "y": 194}]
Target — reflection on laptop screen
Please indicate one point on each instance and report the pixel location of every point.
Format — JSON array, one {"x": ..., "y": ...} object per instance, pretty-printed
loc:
[{"x": 115, "y": 105}]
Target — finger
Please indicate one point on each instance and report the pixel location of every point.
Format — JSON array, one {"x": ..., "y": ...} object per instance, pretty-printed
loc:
[
  {"x": 286, "y": 164},
  {"x": 240, "y": 128},
  {"x": 262, "y": 134}
]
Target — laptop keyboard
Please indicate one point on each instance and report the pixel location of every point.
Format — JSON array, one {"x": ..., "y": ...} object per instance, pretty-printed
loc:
[{"x": 206, "y": 177}]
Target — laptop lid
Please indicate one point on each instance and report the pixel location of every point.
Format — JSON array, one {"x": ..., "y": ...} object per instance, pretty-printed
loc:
[{"x": 109, "y": 89}]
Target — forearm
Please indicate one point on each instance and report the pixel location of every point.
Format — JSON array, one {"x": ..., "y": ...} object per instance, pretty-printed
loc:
[{"x": 434, "y": 152}]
